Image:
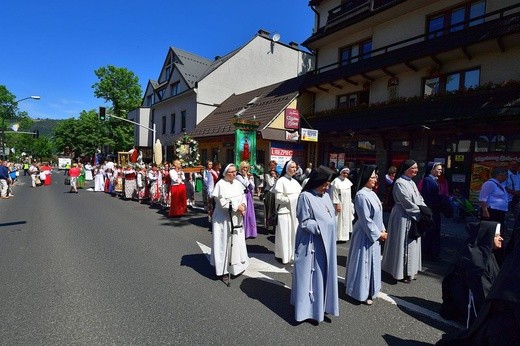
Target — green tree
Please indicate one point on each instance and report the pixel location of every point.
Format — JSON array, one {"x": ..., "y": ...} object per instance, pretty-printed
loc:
[
  {"x": 121, "y": 87},
  {"x": 83, "y": 136}
]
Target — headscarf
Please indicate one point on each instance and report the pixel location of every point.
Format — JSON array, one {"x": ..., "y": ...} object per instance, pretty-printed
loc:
[
  {"x": 364, "y": 175},
  {"x": 224, "y": 169},
  {"x": 318, "y": 177},
  {"x": 284, "y": 170},
  {"x": 402, "y": 168},
  {"x": 344, "y": 169}
]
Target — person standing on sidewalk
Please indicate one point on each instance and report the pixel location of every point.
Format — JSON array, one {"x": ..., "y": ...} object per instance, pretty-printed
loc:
[
  {"x": 402, "y": 257},
  {"x": 493, "y": 200},
  {"x": 363, "y": 280},
  {"x": 513, "y": 189},
  {"x": 4, "y": 180}
]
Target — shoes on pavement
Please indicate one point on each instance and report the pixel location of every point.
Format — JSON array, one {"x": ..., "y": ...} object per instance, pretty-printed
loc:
[
  {"x": 406, "y": 280},
  {"x": 369, "y": 301}
]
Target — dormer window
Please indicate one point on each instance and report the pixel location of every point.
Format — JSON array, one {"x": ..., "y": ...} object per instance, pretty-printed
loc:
[{"x": 174, "y": 89}]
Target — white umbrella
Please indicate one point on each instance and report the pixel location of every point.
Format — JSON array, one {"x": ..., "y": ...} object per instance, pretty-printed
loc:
[{"x": 157, "y": 152}]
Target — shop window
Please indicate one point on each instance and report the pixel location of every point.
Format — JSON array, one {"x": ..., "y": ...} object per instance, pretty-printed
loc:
[
  {"x": 482, "y": 144},
  {"x": 514, "y": 144},
  {"x": 203, "y": 156},
  {"x": 464, "y": 146},
  {"x": 498, "y": 143}
]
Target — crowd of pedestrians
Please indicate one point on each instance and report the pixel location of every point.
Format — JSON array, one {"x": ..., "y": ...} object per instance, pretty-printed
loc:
[{"x": 311, "y": 211}]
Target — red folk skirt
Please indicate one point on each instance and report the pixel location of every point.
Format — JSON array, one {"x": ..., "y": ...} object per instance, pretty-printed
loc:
[{"x": 178, "y": 205}]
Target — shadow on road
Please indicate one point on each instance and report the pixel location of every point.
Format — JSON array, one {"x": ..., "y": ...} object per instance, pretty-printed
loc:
[
  {"x": 395, "y": 341},
  {"x": 273, "y": 295},
  {"x": 199, "y": 263}
]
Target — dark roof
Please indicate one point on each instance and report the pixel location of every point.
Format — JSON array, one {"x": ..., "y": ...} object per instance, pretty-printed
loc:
[
  {"x": 262, "y": 105},
  {"x": 488, "y": 105},
  {"x": 190, "y": 66}
]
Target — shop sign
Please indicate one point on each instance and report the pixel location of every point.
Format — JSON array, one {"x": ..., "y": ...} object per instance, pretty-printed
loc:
[
  {"x": 292, "y": 119},
  {"x": 309, "y": 135}
]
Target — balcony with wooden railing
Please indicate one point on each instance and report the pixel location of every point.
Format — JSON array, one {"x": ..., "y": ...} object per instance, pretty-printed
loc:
[{"x": 411, "y": 52}]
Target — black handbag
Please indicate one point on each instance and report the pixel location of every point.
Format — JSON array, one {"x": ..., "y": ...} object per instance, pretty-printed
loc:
[
  {"x": 67, "y": 180},
  {"x": 272, "y": 220},
  {"x": 418, "y": 228}
]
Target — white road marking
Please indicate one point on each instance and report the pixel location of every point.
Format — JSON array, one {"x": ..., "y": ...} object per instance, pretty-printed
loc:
[{"x": 258, "y": 264}]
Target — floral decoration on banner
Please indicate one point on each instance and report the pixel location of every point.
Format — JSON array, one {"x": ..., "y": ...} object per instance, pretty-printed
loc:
[{"x": 187, "y": 150}]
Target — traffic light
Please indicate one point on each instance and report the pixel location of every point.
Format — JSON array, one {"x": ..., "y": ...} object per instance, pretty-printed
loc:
[
  {"x": 102, "y": 114},
  {"x": 36, "y": 134}
]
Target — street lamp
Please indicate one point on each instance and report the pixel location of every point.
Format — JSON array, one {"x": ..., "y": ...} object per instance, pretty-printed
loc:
[{"x": 34, "y": 97}]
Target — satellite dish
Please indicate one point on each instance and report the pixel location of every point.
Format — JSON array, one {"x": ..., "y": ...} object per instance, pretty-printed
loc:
[{"x": 276, "y": 37}]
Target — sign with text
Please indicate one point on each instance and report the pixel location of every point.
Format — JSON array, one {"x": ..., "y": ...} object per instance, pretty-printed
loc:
[
  {"x": 292, "y": 119},
  {"x": 309, "y": 135},
  {"x": 281, "y": 152}
]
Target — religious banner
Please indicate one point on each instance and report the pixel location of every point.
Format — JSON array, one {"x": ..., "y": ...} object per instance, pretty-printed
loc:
[{"x": 245, "y": 146}]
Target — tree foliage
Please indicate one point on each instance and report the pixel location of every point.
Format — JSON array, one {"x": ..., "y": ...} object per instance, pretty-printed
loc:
[
  {"x": 119, "y": 86},
  {"x": 82, "y": 136}
]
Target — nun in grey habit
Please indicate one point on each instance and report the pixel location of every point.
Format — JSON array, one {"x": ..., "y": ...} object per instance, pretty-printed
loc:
[
  {"x": 315, "y": 284},
  {"x": 363, "y": 280},
  {"x": 402, "y": 253}
]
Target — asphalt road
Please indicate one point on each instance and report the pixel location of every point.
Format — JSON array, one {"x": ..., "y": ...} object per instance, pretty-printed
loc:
[{"x": 90, "y": 269}]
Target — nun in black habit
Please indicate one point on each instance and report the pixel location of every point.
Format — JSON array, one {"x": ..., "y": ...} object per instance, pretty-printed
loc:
[
  {"x": 498, "y": 321},
  {"x": 469, "y": 280}
]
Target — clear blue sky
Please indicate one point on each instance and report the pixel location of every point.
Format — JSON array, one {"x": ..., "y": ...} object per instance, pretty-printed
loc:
[{"x": 51, "y": 48}]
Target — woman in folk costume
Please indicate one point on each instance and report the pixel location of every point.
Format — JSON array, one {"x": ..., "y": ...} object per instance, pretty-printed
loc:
[
  {"x": 45, "y": 174},
  {"x": 118, "y": 180},
  {"x": 109, "y": 181},
  {"x": 402, "y": 253},
  {"x": 88, "y": 172},
  {"x": 248, "y": 183},
  {"x": 142, "y": 184},
  {"x": 314, "y": 290},
  {"x": 287, "y": 190},
  {"x": 154, "y": 177},
  {"x": 99, "y": 179},
  {"x": 363, "y": 280},
  {"x": 178, "y": 205},
  {"x": 81, "y": 178},
  {"x": 229, "y": 252},
  {"x": 130, "y": 176},
  {"x": 166, "y": 185},
  {"x": 342, "y": 200}
]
